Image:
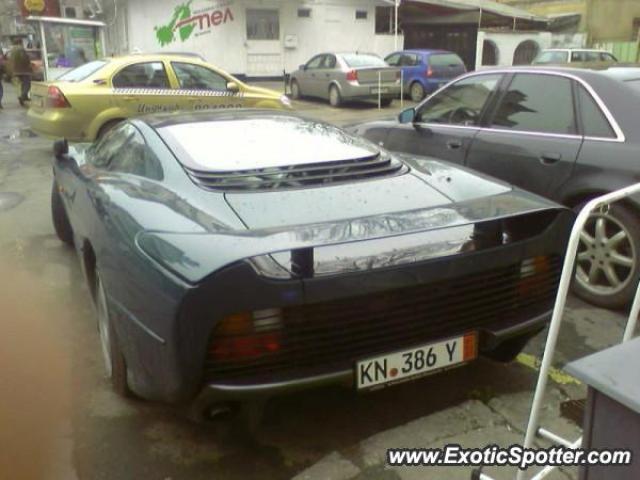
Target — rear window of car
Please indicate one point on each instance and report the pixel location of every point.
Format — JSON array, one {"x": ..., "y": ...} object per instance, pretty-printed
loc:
[
  {"x": 83, "y": 71},
  {"x": 552, "y": 57},
  {"x": 354, "y": 60},
  {"x": 445, "y": 60}
]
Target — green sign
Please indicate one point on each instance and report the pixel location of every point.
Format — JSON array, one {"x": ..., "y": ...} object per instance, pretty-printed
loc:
[
  {"x": 184, "y": 21},
  {"x": 166, "y": 33}
]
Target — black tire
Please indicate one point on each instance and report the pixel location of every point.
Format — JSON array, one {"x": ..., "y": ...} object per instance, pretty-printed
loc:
[
  {"x": 386, "y": 102},
  {"x": 115, "y": 363},
  {"x": 416, "y": 92},
  {"x": 335, "y": 97},
  {"x": 107, "y": 127},
  {"x": 59, "y": 217},
  {"x": 296, "y": 93},
  {"x": 508, "y": 350},
  {"x": 614, "y": 297}
]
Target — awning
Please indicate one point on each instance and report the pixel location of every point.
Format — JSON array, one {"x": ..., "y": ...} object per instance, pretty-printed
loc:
[{"x": 488, "y": 6}]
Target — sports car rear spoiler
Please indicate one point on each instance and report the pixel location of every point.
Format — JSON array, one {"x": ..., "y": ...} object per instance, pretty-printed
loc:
[{"x": 194, "y": 256}]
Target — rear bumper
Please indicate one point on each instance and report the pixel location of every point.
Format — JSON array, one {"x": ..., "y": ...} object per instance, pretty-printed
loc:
[
  {"x": 216, "y": 393},
  {"x": 62, "y": 123},
  {"x": 356, "y": 91}
]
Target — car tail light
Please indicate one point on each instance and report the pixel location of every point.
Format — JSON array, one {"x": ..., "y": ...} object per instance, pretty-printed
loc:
[
  {"x": 56, "y": 99},
  {"x": 429, "y": 72},
  {"x": 352, "y": 75},
  {"x": 247, "y": 335},
  {"x": 533, "y": 273}
]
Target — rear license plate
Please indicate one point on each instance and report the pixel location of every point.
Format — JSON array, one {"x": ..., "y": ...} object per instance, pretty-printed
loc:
[
  {"x": 379, "y": 90},
  {"x": 415, "y": 362}
]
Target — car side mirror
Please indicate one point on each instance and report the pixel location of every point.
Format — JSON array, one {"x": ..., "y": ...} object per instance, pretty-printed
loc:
[
  {"x": 61, "y": 149},
  {"x": 407, "y": 116},
  {"x": 233, "y": 86},
  {"x": 303, "y": 67}
]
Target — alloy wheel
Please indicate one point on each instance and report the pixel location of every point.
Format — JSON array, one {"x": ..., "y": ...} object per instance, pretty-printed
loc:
[
  {"x": 295, "y": 90},
  {"x": 417, "y": 92},
  {"x": 606, "y": 255}
]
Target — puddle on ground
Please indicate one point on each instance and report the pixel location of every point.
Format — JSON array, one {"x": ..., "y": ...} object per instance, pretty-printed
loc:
[{"x": 8, "y": 200}]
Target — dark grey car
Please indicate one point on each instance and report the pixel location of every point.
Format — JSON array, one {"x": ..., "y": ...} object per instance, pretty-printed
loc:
[{"x": 567, "y": 134}]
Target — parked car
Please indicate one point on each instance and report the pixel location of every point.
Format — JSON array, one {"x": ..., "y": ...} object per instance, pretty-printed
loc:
[
  {"x": 86, "y": 102},
  {"x": 236, "y": 254},
  {"x": 340, "y": 77},
  {"x": 425, "y": 71},
  {"x": 567, "y": 134},
  {"x": 560, "y": 56}
]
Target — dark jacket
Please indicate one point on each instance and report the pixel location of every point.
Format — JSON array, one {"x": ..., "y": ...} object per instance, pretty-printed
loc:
[{"x": 20, "y": 62}]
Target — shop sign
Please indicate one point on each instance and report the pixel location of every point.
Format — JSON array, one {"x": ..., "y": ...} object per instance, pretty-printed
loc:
[
  {"x": 42, "y": 8},
  {"x": 186, "y": 22}
]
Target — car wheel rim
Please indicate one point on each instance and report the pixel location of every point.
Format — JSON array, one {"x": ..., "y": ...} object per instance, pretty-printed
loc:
[
  {"x": 416, "y": 92},
  {"x": 607, "y": 257},
  {"x": 333, "y": 96},
  {"x": 103, "y": 326}
]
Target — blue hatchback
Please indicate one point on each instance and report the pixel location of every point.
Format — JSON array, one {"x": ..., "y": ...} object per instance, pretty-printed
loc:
[{"x": 424, "y": 71}]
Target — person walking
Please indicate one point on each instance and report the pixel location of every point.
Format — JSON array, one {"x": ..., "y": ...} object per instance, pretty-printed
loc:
[{"x": 21, "y": 69}]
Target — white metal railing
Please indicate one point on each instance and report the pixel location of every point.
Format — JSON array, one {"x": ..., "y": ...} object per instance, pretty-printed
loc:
[{"x": 533, "y": 427}]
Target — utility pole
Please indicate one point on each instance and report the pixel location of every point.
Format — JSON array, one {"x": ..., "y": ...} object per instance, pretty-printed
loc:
[{"x": 395, "y": 30}]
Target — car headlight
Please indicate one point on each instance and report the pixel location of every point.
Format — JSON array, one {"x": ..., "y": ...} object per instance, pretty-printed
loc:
[{"x": 285, "y": 101}]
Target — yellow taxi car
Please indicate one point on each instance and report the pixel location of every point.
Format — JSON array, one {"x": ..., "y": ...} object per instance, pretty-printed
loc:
[{"x": 86, "y": 102}]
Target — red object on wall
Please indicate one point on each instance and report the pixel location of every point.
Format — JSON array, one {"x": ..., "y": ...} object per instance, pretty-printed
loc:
[{"x": 39, "y": 8}]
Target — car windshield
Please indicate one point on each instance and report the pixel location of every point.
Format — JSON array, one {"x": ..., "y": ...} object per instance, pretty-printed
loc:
[
  {"x": 363, "y": 60},
  {"x": 80, "y": 73},
  {"x": 445, "y": 60},
  {"x": 552, "y": 56}
]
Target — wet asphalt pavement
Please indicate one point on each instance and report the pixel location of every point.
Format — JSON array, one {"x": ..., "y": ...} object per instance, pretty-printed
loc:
[{"x": 60, "y": 419}]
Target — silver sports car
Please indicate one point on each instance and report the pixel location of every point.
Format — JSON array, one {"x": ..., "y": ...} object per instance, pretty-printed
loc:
[{"x": 346, "y": 76}]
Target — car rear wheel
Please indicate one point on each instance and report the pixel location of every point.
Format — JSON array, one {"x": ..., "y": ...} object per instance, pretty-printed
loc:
[
  {"x": 59, "y": 217},
  {"x": 295, "y": 90},
  {"x": 115, "y": 365},
  {"x": 335, "y": 99},
  {"x": 385, "y": 102},
  {"x": 416, "y": 91},
  {"x": 607, "y": 269}
]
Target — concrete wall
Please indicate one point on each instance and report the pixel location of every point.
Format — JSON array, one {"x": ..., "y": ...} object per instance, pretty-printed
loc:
[
  {"x": 611, "y": 20},
  {"x": 603, "y": 20},
  {"x": 507, "y": 42},
  {"x": 552, "y": 7},
  {"x": 332, "y": 27}
]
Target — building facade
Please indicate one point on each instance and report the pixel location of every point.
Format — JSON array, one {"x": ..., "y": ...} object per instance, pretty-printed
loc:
[
  {"x": 260, "y": 38},
  {"x": 601, "y": 20}
]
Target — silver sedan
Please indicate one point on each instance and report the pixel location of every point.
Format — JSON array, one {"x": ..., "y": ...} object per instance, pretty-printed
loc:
[{"x": 346, "y": 76}]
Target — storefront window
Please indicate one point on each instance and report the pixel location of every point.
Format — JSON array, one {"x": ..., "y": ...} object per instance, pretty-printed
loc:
[{"x": 70, "y": 46}]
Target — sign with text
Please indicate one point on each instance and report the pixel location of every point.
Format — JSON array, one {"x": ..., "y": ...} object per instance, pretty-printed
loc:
[
  {"x": 40, "y": 8},
  {"x": 187, "y": 21}
]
